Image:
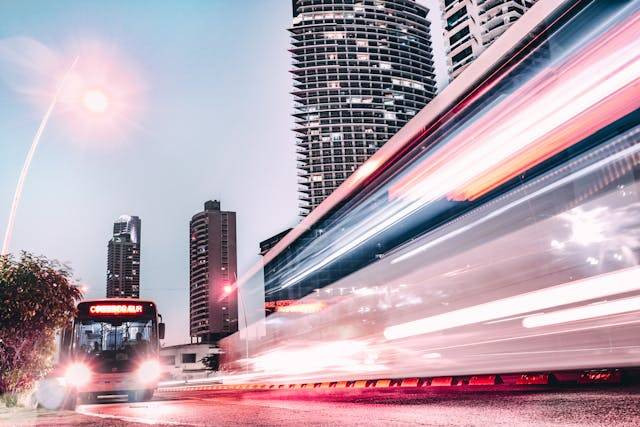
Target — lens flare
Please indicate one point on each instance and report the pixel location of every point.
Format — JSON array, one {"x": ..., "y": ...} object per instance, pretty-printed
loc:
[
  {"x": 95, "y": 101},
  {"x": 149, "y": 371},
  {"x": 77, "y": 375}
]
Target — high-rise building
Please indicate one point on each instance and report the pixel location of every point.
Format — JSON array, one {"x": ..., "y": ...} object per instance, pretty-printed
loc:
[
  {"x": 123, "y": 258},
  {"x": 213, "y": 302},
  {"x": 470, "y": 26},
  {"x": 361, "y": 70}
]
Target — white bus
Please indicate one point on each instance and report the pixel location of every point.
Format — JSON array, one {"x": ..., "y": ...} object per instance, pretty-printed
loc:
[{"x": 111, "y": 349}]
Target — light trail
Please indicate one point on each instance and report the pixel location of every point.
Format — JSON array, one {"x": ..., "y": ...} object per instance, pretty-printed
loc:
[
  {"x": 27, "y": 161},
  {"x": 543, "y": 272},
  {"x": 591, "y": 311},
  {"x": 601, "y": 286},
  {"x": 552, "y": 112},
  {"x": 496, "y": 213},
  {"x": 542, "y": 334},
  {"x": 598, "y": 85}
]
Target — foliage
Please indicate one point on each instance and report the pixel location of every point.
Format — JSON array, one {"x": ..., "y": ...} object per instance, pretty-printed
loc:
[
  {"x": 211, "y": 362},
  {"x": 37, "y": 298}
]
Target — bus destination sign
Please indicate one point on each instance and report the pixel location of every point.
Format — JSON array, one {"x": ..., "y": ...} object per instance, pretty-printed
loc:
[{"x": 115, "y": 309}]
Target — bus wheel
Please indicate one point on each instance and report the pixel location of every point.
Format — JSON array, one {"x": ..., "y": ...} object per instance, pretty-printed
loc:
[{"x": 70, "y": 402}]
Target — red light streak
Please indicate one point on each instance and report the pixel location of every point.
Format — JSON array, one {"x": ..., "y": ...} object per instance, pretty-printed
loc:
[
  {"x": 307, "y": 308},
  {"x": 603, "y": 92}
]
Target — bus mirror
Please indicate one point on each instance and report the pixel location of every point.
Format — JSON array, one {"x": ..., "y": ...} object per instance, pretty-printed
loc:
[{"x": 161, "y": 331}]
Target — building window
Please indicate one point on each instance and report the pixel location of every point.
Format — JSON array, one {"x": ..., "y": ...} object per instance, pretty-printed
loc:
[
  {"x": 455, "y": 18},
  {"x": 459, "y": 35},
  {"x": 188, "y": 358},
  {"x": 460, "y": 56},
  {"x": 334, "y": 35}
]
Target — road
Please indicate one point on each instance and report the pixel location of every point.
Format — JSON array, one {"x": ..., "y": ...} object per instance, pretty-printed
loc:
[
  {"x": 451, "y": 407},
  {"x": 568, "y": 407}
]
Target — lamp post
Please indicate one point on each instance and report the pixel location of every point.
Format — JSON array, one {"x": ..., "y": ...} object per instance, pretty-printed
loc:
[{"x": 99, "y": 99}]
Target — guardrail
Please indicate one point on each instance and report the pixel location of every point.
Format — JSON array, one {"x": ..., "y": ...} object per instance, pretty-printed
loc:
[{"x": 558, "y": 378}]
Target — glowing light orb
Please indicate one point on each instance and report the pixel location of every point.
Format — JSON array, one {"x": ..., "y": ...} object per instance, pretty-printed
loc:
[{"x": 96, "y": 101}]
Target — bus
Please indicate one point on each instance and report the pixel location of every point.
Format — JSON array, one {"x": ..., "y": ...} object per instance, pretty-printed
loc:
[
  {"x": 497, "y": 232},
  {"x": 111, "y": 349}
]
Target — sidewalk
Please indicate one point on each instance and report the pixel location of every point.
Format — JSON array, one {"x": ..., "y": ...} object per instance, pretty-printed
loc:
[{"x": 10, "y": 417}]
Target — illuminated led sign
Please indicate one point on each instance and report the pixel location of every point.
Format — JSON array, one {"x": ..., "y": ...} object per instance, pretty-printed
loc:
[{"x": 116, "y": 309}]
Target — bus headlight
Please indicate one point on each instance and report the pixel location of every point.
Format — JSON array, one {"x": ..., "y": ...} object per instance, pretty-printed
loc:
[
  {"x": 149, "y": 371},
  {"x": 77, "y": 374}
]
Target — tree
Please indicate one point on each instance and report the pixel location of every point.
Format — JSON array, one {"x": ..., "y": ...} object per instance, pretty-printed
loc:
[
  {"x": 37, "y": 298},
  {"x": 211, "y": 362}
]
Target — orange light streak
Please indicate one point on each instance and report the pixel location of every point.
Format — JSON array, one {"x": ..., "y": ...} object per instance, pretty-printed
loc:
[{"x": 529, "y": 109}]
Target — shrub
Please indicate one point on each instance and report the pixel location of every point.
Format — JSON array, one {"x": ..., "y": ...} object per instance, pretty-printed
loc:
[{"x": 37, "y": 298}]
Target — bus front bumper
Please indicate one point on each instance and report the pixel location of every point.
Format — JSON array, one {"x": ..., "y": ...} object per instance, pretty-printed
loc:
[{"x": 116, "y": 382}]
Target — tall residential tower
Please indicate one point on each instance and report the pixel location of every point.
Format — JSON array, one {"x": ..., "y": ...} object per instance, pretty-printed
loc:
[
  {"x": 213, "y": 302},
  {"x": 470, "y": 26},
  {"x": 123, "y": 258},
  {"x": 361, "y": 70}
]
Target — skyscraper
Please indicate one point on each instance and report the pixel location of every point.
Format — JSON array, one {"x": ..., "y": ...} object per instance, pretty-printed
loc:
[
  {"x": 213, "y": 302},
  {"x": 470, "y": 26},
  {"x": 123, "y": 258},
  {"x": 361, "y": 70}
]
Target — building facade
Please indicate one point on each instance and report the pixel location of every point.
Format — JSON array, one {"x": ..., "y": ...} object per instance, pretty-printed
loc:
[
  {"x": 470, "y": 26},
  {"x": 213, "y": 302},
  {"x": 361, "y": 70},
  {"x": 184, "y": 362},
  {"x": 123, "y": 258}
]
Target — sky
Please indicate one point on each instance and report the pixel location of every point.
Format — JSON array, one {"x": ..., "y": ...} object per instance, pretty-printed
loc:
[{"x": 205, "y": 113}]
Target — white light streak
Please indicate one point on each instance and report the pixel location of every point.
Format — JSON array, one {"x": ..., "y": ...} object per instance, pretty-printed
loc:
[
  {"x": 567, "y": 179},
  {"x": 601, "y": 286},
  {"x": 582, "y": 313},
  {"x": 357, "y": 241},
  {"x": 522, "y": 128}
]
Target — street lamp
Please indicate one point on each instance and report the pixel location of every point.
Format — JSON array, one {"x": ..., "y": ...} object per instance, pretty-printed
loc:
[
  {"x": 100, "y": 92},
  {"x": 95, "y": 101}
]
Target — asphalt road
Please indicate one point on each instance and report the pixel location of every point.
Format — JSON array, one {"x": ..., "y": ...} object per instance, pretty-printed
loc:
[
  {"x": 596, "y": 407},
  {"x": 436, "y": 408}
]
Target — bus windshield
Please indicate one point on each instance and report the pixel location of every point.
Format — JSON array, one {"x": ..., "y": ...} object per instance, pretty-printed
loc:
[
  {"x": 115, "y": 335},
  {"x": 114, "y": 346}
]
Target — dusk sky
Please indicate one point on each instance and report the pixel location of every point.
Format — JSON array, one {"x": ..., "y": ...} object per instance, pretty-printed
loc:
[{"x": 207, "y": 87}]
